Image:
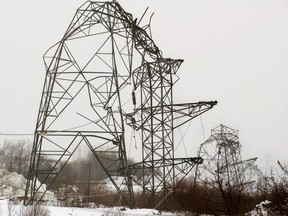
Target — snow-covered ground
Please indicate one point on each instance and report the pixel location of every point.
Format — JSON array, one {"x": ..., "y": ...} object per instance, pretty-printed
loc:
[
  {"x": 13, "y": 185},
  {"x": 8, "y": 209}
]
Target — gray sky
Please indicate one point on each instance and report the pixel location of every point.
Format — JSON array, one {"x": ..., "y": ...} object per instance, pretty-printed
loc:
[{"x": 234, "y": 51}]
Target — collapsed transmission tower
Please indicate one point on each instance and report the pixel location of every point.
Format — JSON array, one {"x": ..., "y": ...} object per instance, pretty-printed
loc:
[
  {"x": 222, "y": 161},
  {"x": 105, "y": 77}
]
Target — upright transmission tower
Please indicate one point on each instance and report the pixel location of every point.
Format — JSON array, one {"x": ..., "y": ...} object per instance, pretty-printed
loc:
[{"x": 104, "y": 78}]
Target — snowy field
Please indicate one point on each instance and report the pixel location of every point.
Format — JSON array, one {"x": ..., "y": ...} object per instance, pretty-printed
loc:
[
  {"x": 7, "y": 209},
  {"x": 13, "y": 185}
]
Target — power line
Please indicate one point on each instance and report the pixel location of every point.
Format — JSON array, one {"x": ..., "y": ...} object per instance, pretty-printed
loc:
[
  {"x": 203, "y": 133},
  {"x": 16, "y": 134}
]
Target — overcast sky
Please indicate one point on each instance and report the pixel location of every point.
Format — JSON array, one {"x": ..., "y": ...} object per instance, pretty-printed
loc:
[{"x": 234, "y": 51}]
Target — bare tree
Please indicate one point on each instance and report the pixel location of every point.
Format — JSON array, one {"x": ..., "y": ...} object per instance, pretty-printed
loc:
[
  {"x": 279, "y": 192},
  {"x": 223, "y": 168},
  {"x": 15, "y": 155}
]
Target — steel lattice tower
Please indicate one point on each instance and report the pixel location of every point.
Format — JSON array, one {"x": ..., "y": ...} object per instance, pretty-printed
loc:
[
  {"x": 221, "y": 154},
  {"x": 104, "y": 56}
]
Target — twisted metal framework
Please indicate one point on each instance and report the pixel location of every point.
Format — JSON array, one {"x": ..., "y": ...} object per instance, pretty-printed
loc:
[
  {"x": 222, "y": 161},
  {"x": 95, "y": 61},
  {"x": 155, "y": 118}
]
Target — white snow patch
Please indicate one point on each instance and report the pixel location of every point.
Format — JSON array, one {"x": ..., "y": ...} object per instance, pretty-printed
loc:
[
  {"x": 7, "y": 207},
  {"x": 12, "y": 184},
  {"x": 260, "y": 209}
]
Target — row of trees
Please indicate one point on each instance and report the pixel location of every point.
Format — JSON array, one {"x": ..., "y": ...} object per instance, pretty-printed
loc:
[
  {"x": 15, "y": 156},
  {"x": 213, "y": 199}
]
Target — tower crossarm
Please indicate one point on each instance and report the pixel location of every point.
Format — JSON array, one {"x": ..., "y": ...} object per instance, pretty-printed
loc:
[
  {"x": 182, "y": 165},
  {"x": 188, "y": 111},
  {"x": 182, "y": 112},
  {"x": 248, "y": 162},
  {"x": 191, "y": 161},
  {"x": 244, "y": 164}
]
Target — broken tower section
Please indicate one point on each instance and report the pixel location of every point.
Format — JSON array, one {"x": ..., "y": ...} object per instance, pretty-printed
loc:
[{"x": 106, "y": 79}]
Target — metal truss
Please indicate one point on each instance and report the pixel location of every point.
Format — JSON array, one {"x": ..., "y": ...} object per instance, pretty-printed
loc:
[
  {"x": 104, "y": 56},
  {"x": 222, "y": 161},
  {"x": 155, "y": 117}
]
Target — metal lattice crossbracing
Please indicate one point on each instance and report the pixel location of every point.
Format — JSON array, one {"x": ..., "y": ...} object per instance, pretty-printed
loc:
[
  {"x": 222, "y": 161},
  {"x": 104, "y": 60}
]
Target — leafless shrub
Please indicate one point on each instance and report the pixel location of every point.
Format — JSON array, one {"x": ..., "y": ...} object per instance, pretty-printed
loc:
[{"x": 279, "y": 195}]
